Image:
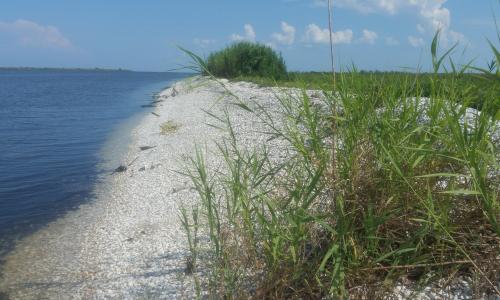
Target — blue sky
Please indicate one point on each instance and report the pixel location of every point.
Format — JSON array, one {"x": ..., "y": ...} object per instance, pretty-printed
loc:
[{"x": 142, "y": 35}]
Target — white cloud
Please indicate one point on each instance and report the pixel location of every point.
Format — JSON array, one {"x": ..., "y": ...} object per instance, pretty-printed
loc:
[
  {"x": 203, "y": 42},
  {"x": 368, "y": 37},
  {"x": 390, "y": 6},
  {"x": 31, "y": 34},
  {"x": 456, "y": 37},
  {"x": 420, "y": 28},
  {"x": 322, "y": 36},
  {"x": 390, "y": 41},
  {"x": 249, "y": 34},
  {"x": 416, "y": 41},
  {"x": 287, "y": 37},
  {"x": 433, "y": 14}
]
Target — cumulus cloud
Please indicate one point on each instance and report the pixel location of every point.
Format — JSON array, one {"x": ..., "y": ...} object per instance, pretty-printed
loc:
[
  {"x": 390, "y": 41},
  {"x": 416, "y": 41},
  {"x": 203, "y": 43},
  {"x": 31, "y": 34},
  {"x": 249, "y": 34},
  {"x": 368, "y": 37},
  {"x": 287, "y": 37},
  {"x": 434, "y": 16},
  {"x": 322, "y": 36}
]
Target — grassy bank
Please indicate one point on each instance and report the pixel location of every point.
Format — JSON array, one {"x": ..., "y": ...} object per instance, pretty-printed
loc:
[
  {"x": 479, "y": 85},
  {"x": 390, "y": 179}
]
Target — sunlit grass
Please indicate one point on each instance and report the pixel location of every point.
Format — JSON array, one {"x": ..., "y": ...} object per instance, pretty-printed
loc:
[
  {"x": 246, "y": 59},
  {"x": 415, "y": 195}
]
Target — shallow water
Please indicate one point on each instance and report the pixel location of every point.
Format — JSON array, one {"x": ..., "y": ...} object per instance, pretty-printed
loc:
[{"x": 59, "y": 130}]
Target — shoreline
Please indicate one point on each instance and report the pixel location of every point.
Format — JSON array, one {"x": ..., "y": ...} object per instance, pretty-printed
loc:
[
  {"x": 129, "y": 242},
  {"x": 55, "y": 148},
  {"x": 79, "y": 254}
]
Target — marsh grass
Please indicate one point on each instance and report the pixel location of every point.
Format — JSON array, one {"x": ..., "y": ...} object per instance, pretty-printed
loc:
[{"x": 415, "y": 197}]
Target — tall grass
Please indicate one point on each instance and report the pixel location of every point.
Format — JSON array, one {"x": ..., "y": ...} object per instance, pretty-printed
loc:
[
  {"x": 416, "y": 194},
  {"x": 246, "y": 59}
]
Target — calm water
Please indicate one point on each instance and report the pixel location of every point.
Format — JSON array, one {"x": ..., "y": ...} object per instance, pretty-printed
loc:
[{"x": 53, "y": 127}]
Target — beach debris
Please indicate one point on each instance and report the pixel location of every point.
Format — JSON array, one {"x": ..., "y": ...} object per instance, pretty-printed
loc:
[
  {"x": 123, "y": 168},
  {"x": 142, "y": 169},
  {"x": 174, "y": 92},
  {"x": 147, "y": 105},
  {"x": 120, "y": 169},
  {"x": 189, "y": 266},
  {"x": 153, "y": 166},
  {"x": 155, "y": 114},
  {"x": 144, "y": 148},
  {"x": 179, "y": 189},
  {"x": 133, "y": 161}
]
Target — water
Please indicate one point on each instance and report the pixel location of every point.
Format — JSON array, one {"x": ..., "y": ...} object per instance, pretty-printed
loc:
[{"x": 54, "y": 126}]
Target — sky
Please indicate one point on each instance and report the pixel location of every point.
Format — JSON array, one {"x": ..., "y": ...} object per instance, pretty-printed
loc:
[{"x": 144, "y": 35}]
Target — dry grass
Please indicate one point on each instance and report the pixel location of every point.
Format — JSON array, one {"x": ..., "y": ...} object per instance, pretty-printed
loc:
[{"x": 169, "y": 127}]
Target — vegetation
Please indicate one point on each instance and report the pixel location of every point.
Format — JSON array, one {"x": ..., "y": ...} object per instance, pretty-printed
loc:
[
  {"x": 246, "y": 59},
  {"x": 412, "y": 195},
  {"x": 478, "y": 85},
  {"x": 168, "y": 127}
]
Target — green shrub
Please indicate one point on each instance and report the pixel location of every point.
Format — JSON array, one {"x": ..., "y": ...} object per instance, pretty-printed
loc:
[{"x": 246, "y": 59}]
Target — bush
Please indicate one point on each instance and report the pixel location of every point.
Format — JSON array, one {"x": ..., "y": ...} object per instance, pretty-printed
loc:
[{"x": 246, "y": 59}]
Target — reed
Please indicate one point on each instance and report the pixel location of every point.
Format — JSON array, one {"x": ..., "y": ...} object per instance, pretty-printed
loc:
[{"x": 416, "y": 192}]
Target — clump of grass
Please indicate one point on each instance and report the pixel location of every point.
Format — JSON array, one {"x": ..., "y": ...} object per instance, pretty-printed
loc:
[
  {"x": 415, "y": 195},
  {"x": 169, "y": 127},
  {"x": 246, "y": 59}
]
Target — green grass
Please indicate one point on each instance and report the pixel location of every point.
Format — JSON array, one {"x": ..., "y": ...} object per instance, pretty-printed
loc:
[
  {"x": 246, "y": 59},
  {"x": 478, "y": 85},
  {"x": 412, "y": 193}
]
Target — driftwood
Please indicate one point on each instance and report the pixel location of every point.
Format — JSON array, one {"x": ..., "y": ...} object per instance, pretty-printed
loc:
[
  {"x": 123, "y": 168},
  {"x": 120, "y": 169},
  {"x": 155, "y": 114},
  {"x": 143, "y": 148}
]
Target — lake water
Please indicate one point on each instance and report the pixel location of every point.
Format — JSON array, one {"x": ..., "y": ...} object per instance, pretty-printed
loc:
[{"x": 59, "y": 130}]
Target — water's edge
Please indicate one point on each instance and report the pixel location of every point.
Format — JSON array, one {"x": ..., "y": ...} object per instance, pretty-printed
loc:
[{"x": 112, "y": 154}]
